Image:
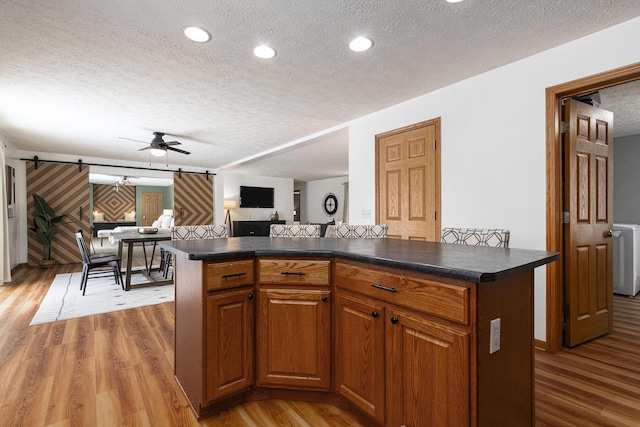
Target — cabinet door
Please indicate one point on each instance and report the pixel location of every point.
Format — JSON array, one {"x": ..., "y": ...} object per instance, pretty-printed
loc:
[
  {"x": 359, "y": 355},
  {"x": 427, "y": 373},
  {"x": 229, "y": 341},
  {"x": 293, "y": 338}
]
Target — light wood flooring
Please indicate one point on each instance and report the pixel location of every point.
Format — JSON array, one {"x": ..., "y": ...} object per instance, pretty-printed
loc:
[{"x": 117, "y": 369}]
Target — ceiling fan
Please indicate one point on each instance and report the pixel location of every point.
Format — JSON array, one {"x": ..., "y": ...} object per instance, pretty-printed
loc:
[
  {"x": 124, "y": 180},
  {"x": 159, "y": 146}
]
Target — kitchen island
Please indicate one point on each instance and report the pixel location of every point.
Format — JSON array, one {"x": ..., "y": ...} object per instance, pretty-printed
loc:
[{"x": 401, "y": 332}]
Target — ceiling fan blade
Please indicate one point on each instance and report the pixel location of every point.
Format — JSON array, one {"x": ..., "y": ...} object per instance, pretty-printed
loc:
[
  {"x": 173, "y": 143},
  {"x": 136, "y": 140},
  {"x": 145, "y": 148},
  {"x": 178, "y": 150}
]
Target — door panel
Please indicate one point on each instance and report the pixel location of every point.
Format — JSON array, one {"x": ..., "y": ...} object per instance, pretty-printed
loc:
[
  {"x": 152, "y": 204},
  {"x": 408, "y": 182},
  {"x": 192, "y": 199},
  {"x": 66, "y": 189},
  {"x": 588, "y": 177}
]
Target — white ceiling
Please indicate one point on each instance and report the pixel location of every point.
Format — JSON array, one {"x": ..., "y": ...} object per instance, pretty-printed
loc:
[{"x": 77, "y": 75}]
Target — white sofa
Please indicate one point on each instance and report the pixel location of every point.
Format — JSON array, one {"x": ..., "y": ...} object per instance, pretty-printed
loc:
[{"x": 163, "y": 223}]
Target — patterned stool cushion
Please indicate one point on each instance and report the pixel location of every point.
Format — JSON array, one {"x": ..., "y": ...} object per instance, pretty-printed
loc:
[
  {"x": 350, "y": 231},
  {"x": 193, "y": 232},
  {"x": 495, "y": 237},
  {"x": 295, "y": 230}
]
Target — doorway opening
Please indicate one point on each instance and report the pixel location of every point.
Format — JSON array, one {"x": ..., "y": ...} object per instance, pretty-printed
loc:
[{"x": 554, "y": 97}]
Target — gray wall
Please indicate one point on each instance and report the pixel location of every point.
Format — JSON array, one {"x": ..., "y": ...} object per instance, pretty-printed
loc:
[{"x": 626, "y": 180}]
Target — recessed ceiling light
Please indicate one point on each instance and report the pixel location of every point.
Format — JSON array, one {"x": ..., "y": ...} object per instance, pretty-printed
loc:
[
  {"x": 360, "y": 44},
  {"x": 197, "y": 34},
  {"x": 454, "y": 1},
  {"x": 264, "y": 52}
]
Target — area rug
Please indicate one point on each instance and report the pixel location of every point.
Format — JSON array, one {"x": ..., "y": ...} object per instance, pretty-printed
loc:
[{"x": 64, "y": 300}]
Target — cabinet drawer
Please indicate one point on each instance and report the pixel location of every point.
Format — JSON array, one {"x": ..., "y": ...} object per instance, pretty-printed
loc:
[
  {"x": 295, "y": 272},
  {"x": 222, "y": 275},
  {"x": 440, "y": 299}
]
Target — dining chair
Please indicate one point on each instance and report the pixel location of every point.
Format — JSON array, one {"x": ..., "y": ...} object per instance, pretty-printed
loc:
[
  {"x": 294, "y": 230},
  {"x": 495, "y": 237},
  {"x": 354, "y": 231},
  {"x": 95, "y": 265}
]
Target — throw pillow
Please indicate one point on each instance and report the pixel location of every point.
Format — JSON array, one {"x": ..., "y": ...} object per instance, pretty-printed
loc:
[
  {"x": 130, "y": 216},
  {"x": 166, "y": 222},
  {"x": 98, "y": 217}
]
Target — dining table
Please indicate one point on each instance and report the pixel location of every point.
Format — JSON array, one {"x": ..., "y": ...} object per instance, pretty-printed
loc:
[{"x": 133, "y": 237}]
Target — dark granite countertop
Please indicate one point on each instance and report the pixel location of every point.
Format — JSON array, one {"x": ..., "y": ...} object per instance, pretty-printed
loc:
[{"x": 473, "y": 263}]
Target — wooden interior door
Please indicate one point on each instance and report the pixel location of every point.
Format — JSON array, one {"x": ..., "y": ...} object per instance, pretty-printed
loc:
[
  {"x": 588, "y": 199},
  {"x": 192, "y": 199},
  {"x": 408, "y": 181},
  {"x": 151, "y": 204}
]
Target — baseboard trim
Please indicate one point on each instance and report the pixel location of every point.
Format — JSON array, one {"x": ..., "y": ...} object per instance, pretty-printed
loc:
[
  {"x": 19, "y": 267},
  {"x": 540, "y": 345}
]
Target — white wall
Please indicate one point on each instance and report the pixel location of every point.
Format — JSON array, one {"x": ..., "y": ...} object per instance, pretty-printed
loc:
[
  {"x": 493, "y": 141},
  {"x": 18, "y": 224},
  {"x": 626, "y": 179},
  {"x": 315, "y": 192},
  {"x": 283, "y": 196}
]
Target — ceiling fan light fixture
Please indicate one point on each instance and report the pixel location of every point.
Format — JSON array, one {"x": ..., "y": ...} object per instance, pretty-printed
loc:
[
  {"x": 264, "y": 52},
  {"x": 360, "y": 44},
  {"x": 158, "y": 152},
  {"x": 197, "y": 34}
]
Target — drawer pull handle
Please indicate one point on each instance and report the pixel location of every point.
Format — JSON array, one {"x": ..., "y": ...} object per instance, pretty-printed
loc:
[
  {"x": 325, "y": 299},
  {"x": 395, "y": 320},
  {"x": 293, "y": 273},
  {"x": 384, "y": 288},
  {"x": 250, "y": 297},
  {"x": 375, "y": 314},
  {"x": 226, "y": 276}
]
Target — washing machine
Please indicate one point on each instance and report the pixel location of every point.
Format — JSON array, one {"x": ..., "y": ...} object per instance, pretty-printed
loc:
[{"x": 626, "y": 259}]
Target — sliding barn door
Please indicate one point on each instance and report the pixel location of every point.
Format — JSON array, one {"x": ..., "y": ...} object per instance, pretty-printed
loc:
[
  {"x": 192, "y": 199},
  {"x": 66, "y": 189}
]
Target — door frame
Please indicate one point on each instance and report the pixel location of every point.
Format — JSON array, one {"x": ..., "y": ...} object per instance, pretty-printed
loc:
[{"x": 553, "y": 112}]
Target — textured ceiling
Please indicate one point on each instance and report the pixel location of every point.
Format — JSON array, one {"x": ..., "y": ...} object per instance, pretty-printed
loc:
[{"x": 76, "y": 75}]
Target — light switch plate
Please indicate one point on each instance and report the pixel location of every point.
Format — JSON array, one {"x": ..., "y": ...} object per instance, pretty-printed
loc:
[{"x": 494, "y": 344}]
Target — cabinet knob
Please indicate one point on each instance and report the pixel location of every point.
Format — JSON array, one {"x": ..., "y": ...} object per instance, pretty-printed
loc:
[
  {"x": 375, "y": 314},
  {"x": 394, "y": 320},
  {"x": 250, "y": 297},
  {"x": 325, "y": 299}
]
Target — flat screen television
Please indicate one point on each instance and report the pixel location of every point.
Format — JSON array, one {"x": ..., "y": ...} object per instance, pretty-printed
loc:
[{"x": 256, "y": 197}]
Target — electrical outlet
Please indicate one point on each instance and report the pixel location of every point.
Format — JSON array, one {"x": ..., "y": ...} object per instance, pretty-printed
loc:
[
  {"x": 366, "y": 214},
  {"x": 494, "y": 344}
]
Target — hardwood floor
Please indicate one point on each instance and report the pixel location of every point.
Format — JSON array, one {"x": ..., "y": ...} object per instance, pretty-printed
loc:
[
  {"x": 596, "y": 383},
  {"x": 117, "y": 369},
  {"x": 109, "y": 370}
]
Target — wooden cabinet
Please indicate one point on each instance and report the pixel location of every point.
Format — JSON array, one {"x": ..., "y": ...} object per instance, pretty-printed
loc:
[
  {"x": 360, "y": 354},
  {"x": 401, "y": 348},
  {"x": 399, "y": 359},
  {"x": 293, "y": 339},
  {"x": 230, "y": 332},
  {"x": 294, "y": 324},
  {"x": 427, "y": 372},
  {"x": 215, "y": 329}
]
